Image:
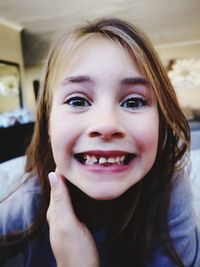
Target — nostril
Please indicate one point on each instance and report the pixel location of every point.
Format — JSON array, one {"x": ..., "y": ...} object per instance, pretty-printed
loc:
[
  {"x": 118, "y": 135},
  {"x": 94, "y": 134},
  {"x": 106, "y": 133}
]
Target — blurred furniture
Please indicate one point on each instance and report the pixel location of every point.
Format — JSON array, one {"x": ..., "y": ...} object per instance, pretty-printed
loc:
[
  {"x": 14, "y": 140},
  {"x": 36, "y": 87},
  {"x": 11, "y": 175},
  {"x": 195, "y": 134},
  {"x": 193, "y": 117}
]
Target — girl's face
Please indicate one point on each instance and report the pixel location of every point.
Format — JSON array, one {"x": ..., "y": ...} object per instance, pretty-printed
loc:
[{"x": 104, "y": 121}]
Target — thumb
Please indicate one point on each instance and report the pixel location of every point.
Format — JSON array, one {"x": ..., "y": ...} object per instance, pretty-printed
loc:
[{"x": 60, "y": 201}]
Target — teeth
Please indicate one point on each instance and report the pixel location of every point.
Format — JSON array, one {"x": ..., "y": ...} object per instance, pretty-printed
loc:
[
  {"x": 102, "y": 160},
  {"x": 94, "y": 159},
  {"x": 111, "y": 160},
  {"x": 90, "y": 160},
  {"x": 122, "y": 158}
]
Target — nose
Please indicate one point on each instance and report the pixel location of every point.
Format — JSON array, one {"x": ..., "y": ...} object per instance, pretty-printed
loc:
[{"x": 106, "y": 127}]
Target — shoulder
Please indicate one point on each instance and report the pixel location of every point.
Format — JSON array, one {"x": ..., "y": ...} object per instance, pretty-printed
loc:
[
  {"x": 182, "y": 220},
  {"x": 182, "y": 225},
  {"x": 19, "y": 207},
  {"x": 182, "y": 199},
  {"x": 181, "y": 195}
]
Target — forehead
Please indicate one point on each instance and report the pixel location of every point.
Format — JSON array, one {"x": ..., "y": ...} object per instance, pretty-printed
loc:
[{"x": 97, "y": 53}]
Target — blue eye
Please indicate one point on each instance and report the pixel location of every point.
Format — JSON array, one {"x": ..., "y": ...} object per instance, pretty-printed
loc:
[
  {"x": 134, "y": 103},
  {"x": 78, "y": 101}
]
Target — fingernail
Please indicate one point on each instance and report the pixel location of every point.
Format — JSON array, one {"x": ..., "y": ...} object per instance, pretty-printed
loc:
[{"x": 53, "y": 179}]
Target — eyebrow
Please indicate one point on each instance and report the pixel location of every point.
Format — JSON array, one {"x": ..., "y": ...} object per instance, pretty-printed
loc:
[
  {"x": 134, "y": 81},
  {"x": 77, "y": 79}
]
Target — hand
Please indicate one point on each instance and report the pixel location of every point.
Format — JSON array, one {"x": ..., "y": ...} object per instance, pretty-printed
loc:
[{"x": 71, "y": 241}]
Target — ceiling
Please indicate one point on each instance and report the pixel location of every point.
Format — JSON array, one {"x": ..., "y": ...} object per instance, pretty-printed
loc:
[{"x": 168, "y": 23}]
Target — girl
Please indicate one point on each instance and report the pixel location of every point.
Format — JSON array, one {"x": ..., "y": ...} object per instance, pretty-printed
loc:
[{"x": 112, "y": 139}]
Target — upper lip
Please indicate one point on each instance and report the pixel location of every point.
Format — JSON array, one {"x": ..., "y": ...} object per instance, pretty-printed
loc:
[{"x": 104, "y": 153}]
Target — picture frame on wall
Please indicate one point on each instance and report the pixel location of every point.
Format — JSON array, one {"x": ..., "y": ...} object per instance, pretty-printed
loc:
[{"x": 10, "y": 86}]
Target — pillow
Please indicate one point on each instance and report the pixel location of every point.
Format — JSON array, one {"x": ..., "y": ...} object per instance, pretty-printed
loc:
[
  {"x": 11, "y": 174},
  {"x": 196, "y": 114}
]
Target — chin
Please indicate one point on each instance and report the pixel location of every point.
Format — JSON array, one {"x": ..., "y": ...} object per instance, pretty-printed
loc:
[{"x": 104, "y": 194}]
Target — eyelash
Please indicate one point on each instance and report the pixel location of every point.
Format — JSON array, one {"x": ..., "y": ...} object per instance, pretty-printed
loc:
[
  {"x": 79, "y": 102},
  {"x": 130, "y": 103},
  {"x": 134, "y": 102}
]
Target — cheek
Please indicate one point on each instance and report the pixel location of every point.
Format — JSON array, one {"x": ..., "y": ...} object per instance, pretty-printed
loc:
[
  {"x": 62, "y": 134},
  {"x": 56, "y": 130},
  {"x": 147, "y": 148},
  {"x": 146, "y": 134}
]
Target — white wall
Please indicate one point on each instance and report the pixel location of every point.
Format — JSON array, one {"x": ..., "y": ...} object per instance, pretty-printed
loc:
[
  {"x": 178, "y": 51},
  {"x": 10, "y": 45},
  {"x": 11, "y": 50}
]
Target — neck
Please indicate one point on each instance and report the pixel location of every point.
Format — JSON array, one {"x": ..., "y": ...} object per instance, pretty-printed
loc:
[{"x": 94, "y": 213}]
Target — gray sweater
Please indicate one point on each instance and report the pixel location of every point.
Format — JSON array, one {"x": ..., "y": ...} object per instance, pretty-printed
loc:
[{"x": 18, "y": 210}]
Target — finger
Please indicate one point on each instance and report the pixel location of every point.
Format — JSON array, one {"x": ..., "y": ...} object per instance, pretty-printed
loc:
[
  {"x": 60, "y": 201},
  {"x": 57, "y": 171}
]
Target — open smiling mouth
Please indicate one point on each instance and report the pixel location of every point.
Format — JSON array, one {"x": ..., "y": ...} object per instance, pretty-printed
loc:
[{"x": 93, "y": 159}]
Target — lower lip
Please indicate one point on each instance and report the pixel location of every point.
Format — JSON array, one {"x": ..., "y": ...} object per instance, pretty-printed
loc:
[{"x": 114, "y": 168}]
